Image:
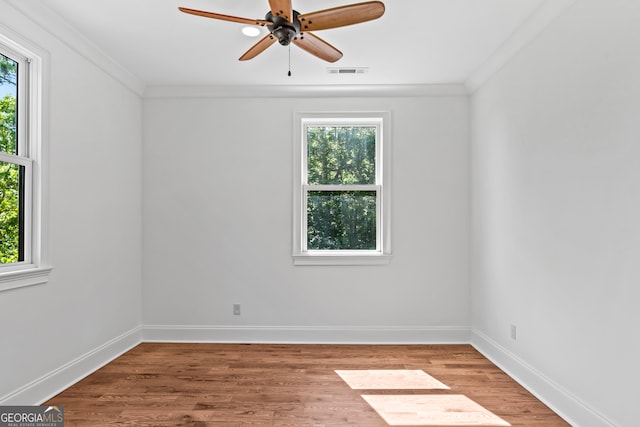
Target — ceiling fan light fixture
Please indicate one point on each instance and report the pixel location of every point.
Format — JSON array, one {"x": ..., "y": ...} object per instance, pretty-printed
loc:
[{"x": 251, "y": 31}]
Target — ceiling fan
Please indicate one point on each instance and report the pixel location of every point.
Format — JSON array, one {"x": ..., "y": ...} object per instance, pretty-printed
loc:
[{"x": 289, "y": 26}]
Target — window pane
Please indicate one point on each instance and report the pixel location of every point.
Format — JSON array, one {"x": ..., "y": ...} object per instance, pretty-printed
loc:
[
  {"x": 11, "y": 220},
  {"x": 8, "y": 105},
  {"x": 341, "y": 220},
  {"x": 341, "y": 155}
]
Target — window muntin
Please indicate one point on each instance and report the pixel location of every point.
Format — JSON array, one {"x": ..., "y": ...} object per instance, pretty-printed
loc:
[{"x": 342, "y": 193}]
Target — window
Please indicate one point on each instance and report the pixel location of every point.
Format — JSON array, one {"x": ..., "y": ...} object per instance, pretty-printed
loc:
[
  {"x": 20, "y": 167},
  {"x": 341, "y": 190}
]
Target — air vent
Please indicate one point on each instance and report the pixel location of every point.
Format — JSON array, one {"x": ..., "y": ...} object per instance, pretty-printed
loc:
[{"x": 350, "y": 70}]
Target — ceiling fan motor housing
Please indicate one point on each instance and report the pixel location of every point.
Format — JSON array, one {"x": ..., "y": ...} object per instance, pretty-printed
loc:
[{"x": 282, "y": 29}]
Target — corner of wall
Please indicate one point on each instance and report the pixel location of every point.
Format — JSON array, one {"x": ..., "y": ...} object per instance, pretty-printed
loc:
[
  {"x": 565, "y": 404},
  {"x": 58, "y": 27},
  {"x": 52, "y": 383},
  {"x": 529, "y": 30}
]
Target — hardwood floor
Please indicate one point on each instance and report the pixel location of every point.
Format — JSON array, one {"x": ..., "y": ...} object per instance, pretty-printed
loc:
[{"x": 297, "y": 385}]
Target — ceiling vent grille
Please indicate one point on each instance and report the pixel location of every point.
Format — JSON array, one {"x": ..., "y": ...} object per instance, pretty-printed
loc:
[{"x": 347, "y": 70}]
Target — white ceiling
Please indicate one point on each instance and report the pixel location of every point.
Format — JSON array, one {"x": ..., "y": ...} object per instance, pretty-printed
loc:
[{"x": 415, "y": 42}]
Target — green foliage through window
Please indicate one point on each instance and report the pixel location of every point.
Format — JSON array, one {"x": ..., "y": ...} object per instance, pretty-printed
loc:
[
  {"x": 8, "y": 116},
  {"x": 341, "y": 220},
  {"x": 341, "y": 155},
  {"x": 8, "y": 71},
  {"x": 11, "y": 174},
  {"x": 10, "y": 179},
  {"x": 341, "y": 216}
]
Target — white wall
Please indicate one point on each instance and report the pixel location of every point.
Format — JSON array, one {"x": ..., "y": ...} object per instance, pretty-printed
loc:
[
  {"x": 217, "y": 208},
  {"x": 93, "y": 295},
  {"x": 555, "y": 208}
]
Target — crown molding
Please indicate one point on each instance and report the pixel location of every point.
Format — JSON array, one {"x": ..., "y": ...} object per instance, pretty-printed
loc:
[
  {"x": 539, "y": 20},
  {"x": 314, "y": 91},
  {"x": 51, "y": 22}
]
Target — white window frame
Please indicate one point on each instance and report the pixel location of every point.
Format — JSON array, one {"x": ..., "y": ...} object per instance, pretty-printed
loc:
[
  {"x": 34, "y": 269},
  {"x": 382, "y": 253}
]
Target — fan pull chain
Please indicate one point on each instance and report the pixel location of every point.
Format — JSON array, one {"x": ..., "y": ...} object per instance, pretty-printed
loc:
[{"x": 289, "y": 73}]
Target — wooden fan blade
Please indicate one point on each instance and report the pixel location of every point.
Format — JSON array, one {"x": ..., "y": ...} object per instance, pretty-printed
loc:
[
  {"x": 258, "y": 48},
  {"x": 318, "y": 47},
  {"x": 225, "y": 17},
  {"x": 282, "y": 8},
  {"x": 341, "y": 16}
]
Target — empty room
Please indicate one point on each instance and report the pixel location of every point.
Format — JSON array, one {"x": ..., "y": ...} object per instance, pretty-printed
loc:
[{"x": 320, "y": 213}]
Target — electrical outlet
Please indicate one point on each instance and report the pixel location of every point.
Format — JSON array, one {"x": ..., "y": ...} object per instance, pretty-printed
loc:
[
  {"x": 236, "y": 309},
  {"x": 513, "y": 332}
]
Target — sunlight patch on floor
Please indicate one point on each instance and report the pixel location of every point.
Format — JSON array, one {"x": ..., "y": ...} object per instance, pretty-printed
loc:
[
  {"x": 390, "y": 379},
  {"x": 417, "y": 409},
  {"x": 432, "y": 410}
]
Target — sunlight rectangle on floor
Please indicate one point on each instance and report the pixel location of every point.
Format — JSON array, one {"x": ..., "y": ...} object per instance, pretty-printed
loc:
[
  {"x": 390, "y": 379},
  {"x": 432, "y": 410}
]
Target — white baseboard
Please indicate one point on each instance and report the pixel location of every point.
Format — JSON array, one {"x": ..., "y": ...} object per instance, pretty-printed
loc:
[
  {"x": 306, "y": 334},
  {"x": 52, "y": 383},
  {"x": 562, "y": 402}
]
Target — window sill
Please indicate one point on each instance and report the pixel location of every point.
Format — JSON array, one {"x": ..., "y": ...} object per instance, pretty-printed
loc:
[
  {"x": 341, "y": 259},
  {"x": 25, "y": 277}
]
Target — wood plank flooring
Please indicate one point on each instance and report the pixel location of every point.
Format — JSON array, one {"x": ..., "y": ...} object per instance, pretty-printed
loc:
[{"x": 230, "y": 385}]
